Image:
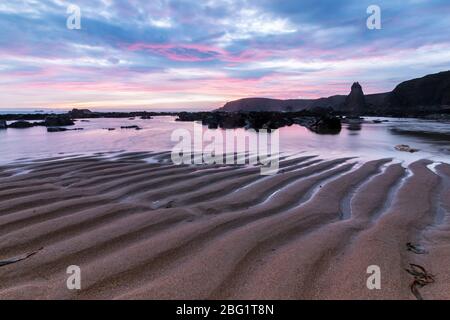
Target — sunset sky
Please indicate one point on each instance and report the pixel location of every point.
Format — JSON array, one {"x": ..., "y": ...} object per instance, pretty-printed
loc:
[{"x": 192, "y": 54}]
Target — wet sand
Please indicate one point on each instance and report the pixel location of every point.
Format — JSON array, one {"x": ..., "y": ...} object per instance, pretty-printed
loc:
[{"x": 143, "y": 230}]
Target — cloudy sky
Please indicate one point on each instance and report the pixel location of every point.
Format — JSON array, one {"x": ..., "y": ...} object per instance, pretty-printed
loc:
[{"x": 199, "y": 54}]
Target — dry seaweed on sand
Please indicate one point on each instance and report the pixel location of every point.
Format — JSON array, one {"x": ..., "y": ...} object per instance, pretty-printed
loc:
[
  {"x": 417, "y": 249},
  {"x": 19, "y": 258},
  {"x": 421, "y": 279}
]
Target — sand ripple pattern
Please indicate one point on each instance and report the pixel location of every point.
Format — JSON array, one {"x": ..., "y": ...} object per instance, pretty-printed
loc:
[{"x": 144, "y": 229}]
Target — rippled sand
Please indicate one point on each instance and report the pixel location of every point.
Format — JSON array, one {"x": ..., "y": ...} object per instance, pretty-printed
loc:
[{"x": 142, "y": 230}]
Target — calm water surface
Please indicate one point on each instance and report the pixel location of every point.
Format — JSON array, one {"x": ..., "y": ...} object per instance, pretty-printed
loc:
[{"x": 373, "y": 141}]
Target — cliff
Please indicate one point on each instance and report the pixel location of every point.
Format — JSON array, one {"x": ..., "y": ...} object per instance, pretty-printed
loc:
[
  {"x": 427, "y": 95},
  {"x": 431, "y": 92}
]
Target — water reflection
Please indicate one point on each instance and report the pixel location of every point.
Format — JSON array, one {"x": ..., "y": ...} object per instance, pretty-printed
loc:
[{"x": 367, "y": 140}]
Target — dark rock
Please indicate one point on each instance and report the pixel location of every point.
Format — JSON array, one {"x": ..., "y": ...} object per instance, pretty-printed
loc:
[
  {"x": 54, "y": 129},
  {"x": 248, "y": 120},
  {"x": 131, "y": 127},
  {"x": 232, "y": 121},
  {"x": 80, "y": 113},
  {"x": 57, "y": 129},
  {"x": 255, "y": 120},
  {"x": 3, "y": 124},
  {"x": 58, "y": 121},
  {"x": 322, "y": 125},
  {"x": 328, "y": 125},
  {"x": 146, "y": 116},
  {"x": 268, "y": 120},
  {"x": 189, "y": 116},
  {"x": 21, "y": 125},
  {"x": 212, "y": 120},
  {"x": 355, "y": 103}
]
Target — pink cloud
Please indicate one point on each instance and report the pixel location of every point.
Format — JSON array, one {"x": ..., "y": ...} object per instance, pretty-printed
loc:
[
  {"x": 197, "y": 52},
  {"x": 180, "y": 52}
]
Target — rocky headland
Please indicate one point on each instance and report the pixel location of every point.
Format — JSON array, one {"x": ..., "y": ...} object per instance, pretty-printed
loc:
[{"x": 423, "y": 97}]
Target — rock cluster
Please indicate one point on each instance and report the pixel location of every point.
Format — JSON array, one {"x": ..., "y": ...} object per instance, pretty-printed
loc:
[
  {"x": 61, "y": 120},
  {"x": 321, "y": 125},
  {"x": 58, "y": 121},
  {"x": 325, "y": 124},
  {"x": 250, "y": 120},
  {"x": 21, "y": 125},
  {"x": 80, "y": 113}
]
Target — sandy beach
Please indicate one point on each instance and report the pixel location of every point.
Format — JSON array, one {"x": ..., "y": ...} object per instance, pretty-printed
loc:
[{"x": 142, "y": 230}]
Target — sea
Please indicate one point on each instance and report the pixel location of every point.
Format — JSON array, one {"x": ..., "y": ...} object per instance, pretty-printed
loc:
[{"x": 368, "y": 141}]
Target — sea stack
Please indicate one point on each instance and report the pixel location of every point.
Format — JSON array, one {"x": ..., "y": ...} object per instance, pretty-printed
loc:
[
  {"x": 355, "y": 103},
  {"x": 3, "y": 124}
]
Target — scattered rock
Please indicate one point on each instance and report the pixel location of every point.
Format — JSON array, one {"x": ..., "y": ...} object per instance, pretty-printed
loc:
[
  {"x": 21, "y": 125},
  {"x": 58, "y": 121},
  {"x": 406, "y": 148},
  {"x": 131, "y": 127},
  {"x": 53, "y": 129},
  {"x": 247, "y": 120},
  {"x": 322, "y": 125},
  {"x": 58, "y": 129}
]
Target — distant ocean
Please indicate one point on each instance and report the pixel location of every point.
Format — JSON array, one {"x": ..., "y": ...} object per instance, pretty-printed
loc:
[
  {"x": 48, "y": 110},
  {"x": 31, "y": 111}
]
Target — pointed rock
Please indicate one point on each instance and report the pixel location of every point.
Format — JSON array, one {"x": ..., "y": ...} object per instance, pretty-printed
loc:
[{"x": 355, "y": 103}]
